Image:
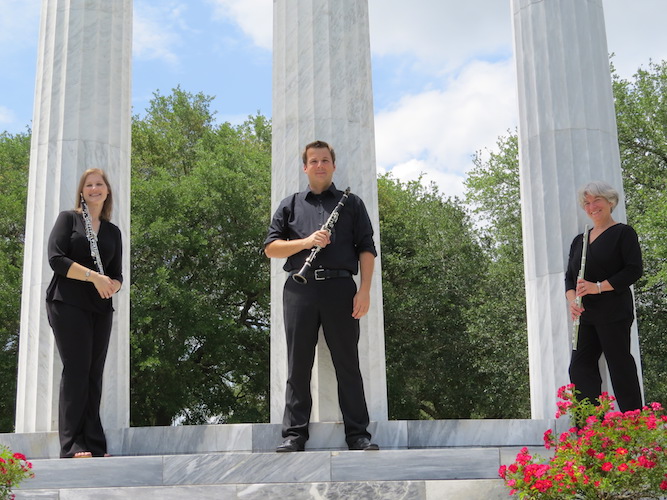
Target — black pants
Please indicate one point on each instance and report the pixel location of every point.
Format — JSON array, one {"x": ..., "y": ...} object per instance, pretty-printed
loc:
[
  {"x": 82, "y": 338},
  {"x": 614, "y": 341},
  {"x": 326, "y": 303}
]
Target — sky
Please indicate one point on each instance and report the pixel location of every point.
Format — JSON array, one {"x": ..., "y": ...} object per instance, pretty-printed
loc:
[{"x": 444, "y": 77}]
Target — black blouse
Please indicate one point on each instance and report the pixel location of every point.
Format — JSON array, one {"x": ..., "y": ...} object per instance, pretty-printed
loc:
[
  {"x": 68, "y": 244},
  {"x": 615, "y": 256},
  {"x": 301, "y": 214}
]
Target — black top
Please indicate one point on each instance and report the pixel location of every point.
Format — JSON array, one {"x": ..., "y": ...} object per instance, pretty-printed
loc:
[
  {"x": 68, "y": 244},
  {"x": 301, "y": 214},
  {"x": 615, "y": 256}
]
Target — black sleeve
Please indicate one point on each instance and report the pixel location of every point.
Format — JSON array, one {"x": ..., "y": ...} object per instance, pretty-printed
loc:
[
  {"x": 631, "y": 256},
  {"x": 59, "y": 244},
  {"x": 278, "y": 229},
  {"x": 363, "y": 229},
  {"x": 571, "y": 271},
  {"x": 114, "y": 268}
]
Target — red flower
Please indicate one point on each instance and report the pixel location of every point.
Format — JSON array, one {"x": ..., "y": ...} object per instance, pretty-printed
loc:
[
  {"x": 543, "y": 485},
  {"x": 607, "y": 466}
]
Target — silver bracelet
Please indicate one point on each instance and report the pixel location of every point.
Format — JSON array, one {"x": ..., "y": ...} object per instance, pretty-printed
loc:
[{"x": 599, "y": 287}]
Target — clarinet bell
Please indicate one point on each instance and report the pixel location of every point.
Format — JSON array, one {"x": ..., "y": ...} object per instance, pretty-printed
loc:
[{"x": 299, "y": 278}]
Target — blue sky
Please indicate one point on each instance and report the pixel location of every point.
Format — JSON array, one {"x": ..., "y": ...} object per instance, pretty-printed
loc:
[{"x": 443, "y": 67}]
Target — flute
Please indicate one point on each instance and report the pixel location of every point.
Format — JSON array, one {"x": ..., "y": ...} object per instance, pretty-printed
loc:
[
  {"x": 92, "y": 237},
  {"x": 300, "y": 277},
  {"x": 577, "y": 300}
]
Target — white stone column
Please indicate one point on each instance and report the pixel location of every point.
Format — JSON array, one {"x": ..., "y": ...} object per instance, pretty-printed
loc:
[
  {"x": 322, "y": 91},
  {"x": 567, "y": 137},
  {"x": 82, "y": 119}
]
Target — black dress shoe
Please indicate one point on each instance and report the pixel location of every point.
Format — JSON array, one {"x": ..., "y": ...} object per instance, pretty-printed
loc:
[
  {"x": 289, "y": 445},
  {"x": 363, "y": 443}
]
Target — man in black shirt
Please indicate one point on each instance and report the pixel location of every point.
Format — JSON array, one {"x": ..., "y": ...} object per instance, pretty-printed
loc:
[{"x": 329, "y": 298}]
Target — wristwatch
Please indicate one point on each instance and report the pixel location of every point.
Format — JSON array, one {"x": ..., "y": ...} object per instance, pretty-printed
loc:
[{"x": 88, "y": 271}]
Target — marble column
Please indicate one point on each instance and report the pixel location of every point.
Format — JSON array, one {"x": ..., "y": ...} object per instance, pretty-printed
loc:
[
  {"x": 567, "y": 137},
  {"x": 322, "y": 90},
  {"x": 82, "y": 119}
]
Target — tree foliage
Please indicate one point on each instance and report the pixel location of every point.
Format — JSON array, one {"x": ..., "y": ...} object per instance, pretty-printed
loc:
[
  {"x": 200, "y": 283},
  {"x": 14, "y": 163},
  {"x": 641, "y": 111},
  {"x": 430, "y": 275},
  {"x": 498, "y": 321},
  {"x": 455, "y": 320}
]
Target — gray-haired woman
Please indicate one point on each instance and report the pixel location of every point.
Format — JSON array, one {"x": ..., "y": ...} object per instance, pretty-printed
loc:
[{"x": 613, "y": 264}]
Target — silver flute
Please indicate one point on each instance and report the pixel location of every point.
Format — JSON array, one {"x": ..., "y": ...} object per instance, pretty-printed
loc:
[
  {"x": 92, "y": 237},
  {"x": 300, "y": 277},
  {"x": 577, "y": 300}
]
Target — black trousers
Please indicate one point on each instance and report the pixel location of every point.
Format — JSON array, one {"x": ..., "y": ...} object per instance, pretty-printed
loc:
[
  {"x": 326, "y": 303},
  {"x": 614, "y": 341},
  {"x": 82, "y": 338}
]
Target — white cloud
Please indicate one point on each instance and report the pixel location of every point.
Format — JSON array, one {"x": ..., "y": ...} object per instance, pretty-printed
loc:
[
  {"x": 412, "y": 170},
  {"x": 440, "y": 130},
  {"x": 6, "y": 115},
  {"x": 156, "y": 31},
  {"x": 254, "y": 17},
  {"x": 635, "y": 33},
  {"x": 441, "y": 34}
]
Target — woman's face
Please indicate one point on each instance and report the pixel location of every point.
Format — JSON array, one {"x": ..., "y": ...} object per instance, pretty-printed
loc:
[
  {"x": 95, "y": 190},
  {"x": 597, "y": 208}
]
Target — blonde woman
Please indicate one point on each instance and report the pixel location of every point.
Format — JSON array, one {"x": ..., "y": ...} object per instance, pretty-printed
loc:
[{"x": 85, "y": 253}]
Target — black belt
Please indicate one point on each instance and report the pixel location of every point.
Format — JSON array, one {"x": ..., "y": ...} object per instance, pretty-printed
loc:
[{"x": 327, "y": 274}]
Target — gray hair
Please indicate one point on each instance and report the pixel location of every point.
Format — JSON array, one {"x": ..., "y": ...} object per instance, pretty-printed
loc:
[{"x": 598, "y": 188}]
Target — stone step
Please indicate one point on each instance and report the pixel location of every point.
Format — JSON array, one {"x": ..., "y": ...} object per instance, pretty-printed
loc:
[
  {"x": 480, "y": 489},
  {"x": 390, "y": 435},
  {"x": 385, "y": 474},
  {"x": 418, "y": 460}
]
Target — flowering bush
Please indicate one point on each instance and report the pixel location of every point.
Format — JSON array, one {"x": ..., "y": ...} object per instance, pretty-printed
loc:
[
  {"x": 607, "y": 455},
  {"x": 14, "y": 468}
]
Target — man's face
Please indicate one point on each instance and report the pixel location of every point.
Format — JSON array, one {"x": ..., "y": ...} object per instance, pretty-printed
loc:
[{"x": 319, "y": 167}]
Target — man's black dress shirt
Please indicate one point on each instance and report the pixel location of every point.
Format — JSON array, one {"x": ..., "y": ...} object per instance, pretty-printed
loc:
[{"x": 301, "y": 214}]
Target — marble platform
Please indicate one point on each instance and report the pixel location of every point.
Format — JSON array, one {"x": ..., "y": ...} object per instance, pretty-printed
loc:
[
  {"x": 390, "y": 435},
  {"x": 385, "y": 474},
  {"x": 420, "y": 460}
]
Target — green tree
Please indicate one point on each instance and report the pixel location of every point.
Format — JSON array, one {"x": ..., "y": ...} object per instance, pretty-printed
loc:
[
  {"x": 200, "y": 283},
  {"x": 497, "y": 323},
  {"x": 14, "y": 163},
  {"x": 641, "y": 114},
  {"x": 431, "y": 271}
]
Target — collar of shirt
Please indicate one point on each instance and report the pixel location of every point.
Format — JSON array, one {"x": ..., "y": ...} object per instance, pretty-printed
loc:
[{"x": 330, "y": 191}]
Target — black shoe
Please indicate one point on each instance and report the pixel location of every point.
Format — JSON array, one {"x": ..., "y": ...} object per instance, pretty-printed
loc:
[
  {"x": 363, "y": 443},
  {"x": 289, "y": 445}
]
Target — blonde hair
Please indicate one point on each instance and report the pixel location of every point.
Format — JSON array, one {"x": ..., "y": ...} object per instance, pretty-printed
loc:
[{"x": 108, "y": 203}]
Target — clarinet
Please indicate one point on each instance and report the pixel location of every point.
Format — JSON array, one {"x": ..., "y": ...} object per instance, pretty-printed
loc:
[
  {"x": 92, "y": 238},
  {"x": 577, "y": 301},
  {"x": 300, "y": 277}
]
